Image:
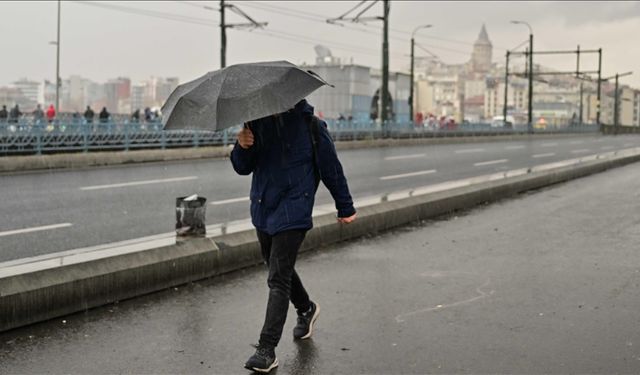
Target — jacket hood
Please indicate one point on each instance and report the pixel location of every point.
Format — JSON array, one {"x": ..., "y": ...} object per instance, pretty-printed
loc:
[{"x": 304, "y": 108}]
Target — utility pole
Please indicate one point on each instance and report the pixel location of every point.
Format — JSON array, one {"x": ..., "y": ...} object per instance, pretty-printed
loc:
[
  {"x": 616, "y": 99},
  {"x": 530, "y": 117},
  {"x": 599, "y": 106},
  {"x": 506, "y": 88},
  {"x": 252, "y": 24},
  {"x": 223, "y": 37},
  {"x": 384, "y": 90},
  {"x": 411, "y": 116},
  {"x": 581, "y": 103},
  {"x": 413, "y": 43},
  {"x": 530, "y": 55},
  {"x": 385, "y": 64},
  {"x": 58, "y": 63},
  {"x": 615, "y": 107}
]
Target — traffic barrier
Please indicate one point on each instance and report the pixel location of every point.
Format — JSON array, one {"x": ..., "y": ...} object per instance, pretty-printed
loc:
[{"x": 38, "y": 138}]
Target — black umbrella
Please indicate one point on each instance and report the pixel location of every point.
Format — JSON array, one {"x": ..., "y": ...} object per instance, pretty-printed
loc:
[{"x": 238, "y": 93}]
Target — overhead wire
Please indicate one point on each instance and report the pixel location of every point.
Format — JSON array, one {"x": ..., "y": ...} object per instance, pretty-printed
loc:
[
  {"x": 149, "y": 13},
  {"x": 316, "y": 18},
  {"x": 214, "y": 23},
  {"x": 271, "y": 32}
]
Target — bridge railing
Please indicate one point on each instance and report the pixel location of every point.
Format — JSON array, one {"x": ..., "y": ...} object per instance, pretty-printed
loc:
[{"x": 26, "y": 137}]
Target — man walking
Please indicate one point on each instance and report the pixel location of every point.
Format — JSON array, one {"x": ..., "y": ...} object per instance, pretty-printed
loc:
[{"x": 288, "y": 154}]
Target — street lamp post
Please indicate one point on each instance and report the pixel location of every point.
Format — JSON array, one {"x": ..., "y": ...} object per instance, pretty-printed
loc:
[
  {"x": 530, "y": 115},
  {"x": 58, "y": 63},
  {"x": 411, "y": 117}
]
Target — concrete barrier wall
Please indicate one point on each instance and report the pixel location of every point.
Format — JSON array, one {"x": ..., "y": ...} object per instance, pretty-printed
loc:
[
  {"x": 97, "y": 159},
  {"x": 621, "y": 129},
  {"x": 35, "y": 291}
]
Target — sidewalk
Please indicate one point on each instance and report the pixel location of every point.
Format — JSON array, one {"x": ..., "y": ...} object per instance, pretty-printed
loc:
[{"x": 545, "y": 283}]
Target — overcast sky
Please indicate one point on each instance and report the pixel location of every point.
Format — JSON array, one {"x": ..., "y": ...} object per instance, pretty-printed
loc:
[{"x": 100, "y": 43}]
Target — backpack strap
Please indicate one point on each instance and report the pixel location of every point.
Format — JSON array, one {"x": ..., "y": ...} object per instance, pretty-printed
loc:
[{"x": 314, "y": 133}]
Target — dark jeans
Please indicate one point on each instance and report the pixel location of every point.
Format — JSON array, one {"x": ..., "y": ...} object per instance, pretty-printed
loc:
[{"x": 280, "y": 252}]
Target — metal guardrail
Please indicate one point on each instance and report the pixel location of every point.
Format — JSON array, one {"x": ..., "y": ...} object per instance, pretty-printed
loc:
[{"x": 39, "y": 137}]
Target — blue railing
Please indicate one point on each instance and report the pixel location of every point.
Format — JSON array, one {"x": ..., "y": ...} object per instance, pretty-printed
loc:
[{"x": 77, "y": 135}]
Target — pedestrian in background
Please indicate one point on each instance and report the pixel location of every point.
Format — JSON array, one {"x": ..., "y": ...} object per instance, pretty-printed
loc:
[
  {"x": 4, "y": 114},
  {"x": 51, "y": 113},
  {"x": 288, "y": 154},
  {"x": 89, "y": 114},
  {"x": 15, "y": 114},
  {"x": 147, "y": 114},
  {"x": 104, "y": 115},
  {"x": 38, "y": 115},
  {"x": 135, "y": 117}
]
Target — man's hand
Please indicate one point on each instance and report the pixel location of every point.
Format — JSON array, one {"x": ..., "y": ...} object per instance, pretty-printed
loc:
[
  {"x": 245, "y": 138},
  {"x": 347, "y": 220}
]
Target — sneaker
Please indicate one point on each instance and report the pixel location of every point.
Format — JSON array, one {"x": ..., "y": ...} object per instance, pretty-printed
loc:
[
  {"x": 304, "y": 328},
  {"x": 264, "y": 360}
]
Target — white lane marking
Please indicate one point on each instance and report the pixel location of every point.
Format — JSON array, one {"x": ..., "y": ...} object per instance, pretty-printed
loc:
[
  {"x": 136, "y": 183},
  {"x": 576, "y": 142},
  {"x": 580, "y": 151},
  {"x": 35, "y": 229},
  {"x": 412, "y": 174},
  {"x": 606, "y": 147},
  {"x": 232, "y": 200},
  {"x": 499, "y": 161},
  {"x": 400, "y": 157},
  {"x": 544, "y": 155},
  {"x": 548, "y": 144},
  {"x": 469, "y": 150},
  {"x": 514, "y": 147}
]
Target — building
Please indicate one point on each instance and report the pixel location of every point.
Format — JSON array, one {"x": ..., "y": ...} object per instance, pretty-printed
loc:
[
  {"x": 31, "y": 90},
  {"x": 77, "y": 93},
  {"x": 350, "y": 95},
  {"x": 627, "y": 103},
  {"x": 399, "y": 86},
  {"x": 423, "y": 93},
  {"x": 138, "y": 96},
  {"x": 517, "y": 100},
  {"x": 482, "y": 53},
  {"x": 117, "y": 95},
  {"x": 10, "y": 96},
  {"x": 356, "y": 90}
]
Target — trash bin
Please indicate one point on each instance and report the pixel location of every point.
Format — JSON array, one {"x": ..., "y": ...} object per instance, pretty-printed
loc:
[{"x": 190, "y": 216}]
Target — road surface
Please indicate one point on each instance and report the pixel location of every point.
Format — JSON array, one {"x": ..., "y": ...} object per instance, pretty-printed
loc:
[
  {"x": 47, "y": 212},
  {"x": 548, "y": 282}
]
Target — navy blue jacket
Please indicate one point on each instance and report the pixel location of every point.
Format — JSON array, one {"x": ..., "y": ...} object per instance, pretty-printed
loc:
[{"x": 283, "y": 186}]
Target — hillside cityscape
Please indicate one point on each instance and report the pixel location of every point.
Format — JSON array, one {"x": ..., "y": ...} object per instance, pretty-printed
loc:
[{"x": 468, "y": 92}]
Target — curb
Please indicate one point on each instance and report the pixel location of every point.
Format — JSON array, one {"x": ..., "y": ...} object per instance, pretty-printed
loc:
[
  {"x": 106, "y": 158},
  {"x": 36, "y": 290}
]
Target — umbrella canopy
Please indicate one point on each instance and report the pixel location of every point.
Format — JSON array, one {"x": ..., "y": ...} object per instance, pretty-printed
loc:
[{"x": 236, "y": 94}]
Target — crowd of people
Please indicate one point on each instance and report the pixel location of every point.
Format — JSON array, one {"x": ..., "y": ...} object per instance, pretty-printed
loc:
[{"x": 40, "y": 116}]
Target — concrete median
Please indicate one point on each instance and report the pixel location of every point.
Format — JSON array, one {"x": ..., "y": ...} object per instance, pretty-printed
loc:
[{"x": 46, "y": 287}]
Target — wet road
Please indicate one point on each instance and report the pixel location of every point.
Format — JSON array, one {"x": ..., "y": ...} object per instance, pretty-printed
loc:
[
  {"x": 61, "y": 210},
  {"x": 548, "y": 282}
]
